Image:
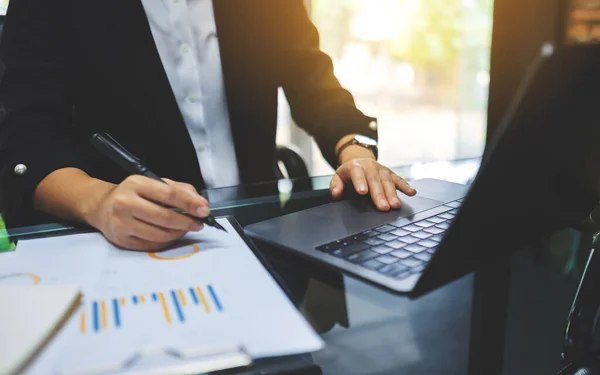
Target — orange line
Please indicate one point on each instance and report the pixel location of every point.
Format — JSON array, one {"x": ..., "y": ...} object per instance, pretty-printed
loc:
[
  {"x": 202, "y": 299},
  {"x": 82, "y": 322},
  {"x": 181, "y": 297},
  {"x": 122, "y": 301},
  {"x": 142, "y": 299},
  {"x": 103, "y": 314},
  {"x": 164, "y": 307}
]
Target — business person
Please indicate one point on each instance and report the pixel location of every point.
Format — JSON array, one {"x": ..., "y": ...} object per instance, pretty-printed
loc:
[{"x": 190, "y": 86}]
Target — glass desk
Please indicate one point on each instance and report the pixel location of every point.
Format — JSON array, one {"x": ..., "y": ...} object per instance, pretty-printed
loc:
[{"x": 507, "y": 318}]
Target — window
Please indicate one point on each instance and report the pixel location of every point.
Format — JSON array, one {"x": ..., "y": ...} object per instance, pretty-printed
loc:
[
  {"x": 3, "y": 6},
  {"x": 420, "y": 66}
]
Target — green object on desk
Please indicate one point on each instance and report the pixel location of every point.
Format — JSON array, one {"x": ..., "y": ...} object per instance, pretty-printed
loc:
[{"x": 5, "y": 244}]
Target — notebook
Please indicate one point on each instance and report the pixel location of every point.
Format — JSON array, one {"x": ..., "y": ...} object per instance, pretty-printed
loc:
[{"x": 30, "y": 316}]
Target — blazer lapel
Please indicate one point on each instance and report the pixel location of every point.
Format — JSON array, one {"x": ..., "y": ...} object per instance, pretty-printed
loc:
[{"x": 127, "y": 52}]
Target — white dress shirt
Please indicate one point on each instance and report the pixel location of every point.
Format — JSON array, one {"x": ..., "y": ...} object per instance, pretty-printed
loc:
[{"x": 186, "y": 38}]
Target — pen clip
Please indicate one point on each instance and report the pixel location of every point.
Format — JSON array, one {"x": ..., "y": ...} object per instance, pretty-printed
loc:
[{"x": 107, "y": 145}]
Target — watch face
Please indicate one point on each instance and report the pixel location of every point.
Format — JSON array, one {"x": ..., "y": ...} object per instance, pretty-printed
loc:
[{"x": 366, "y": 140}]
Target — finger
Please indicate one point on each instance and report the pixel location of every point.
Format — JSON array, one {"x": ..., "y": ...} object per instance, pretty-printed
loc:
[
  {"x": 402, "y": 185},
  {"x": 137, "y": 244},
  {"x": 162, "y": 217},
  {"x": 169, "y": 195},
  {"x": 376, "y": 189},
  {"x": 184, "y": 186},
  {"x": 359, "y": 180},
  {"x": 389, "y": 189},
  {"x": 150, "y": 233},
  {"x": 336, "y": 186}
]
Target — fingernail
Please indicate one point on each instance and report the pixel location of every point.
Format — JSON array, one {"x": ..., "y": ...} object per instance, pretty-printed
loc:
[
  {"x": 203, "y": 211},
  {"x": 197, "y": 227},
  {"x": 383, "y": 203},
  {"x": 362, "y": 187},
  {"x": 395, "y": 201}
]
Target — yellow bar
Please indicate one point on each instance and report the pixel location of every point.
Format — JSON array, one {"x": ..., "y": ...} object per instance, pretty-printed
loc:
[
  {"x": 122, "y": 301},
  {"x": 142, "y": 299},
  {"x": 103, "y": 314},
  {"x": 82, "y": 322},
  {"x": 202, "y": 299},
  {"x": 181, "y": 297},
  {"x": 164, "y": 307}
]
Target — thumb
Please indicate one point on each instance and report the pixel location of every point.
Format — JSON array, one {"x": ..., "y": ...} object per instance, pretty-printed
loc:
[{"x": 336, "y": 186}]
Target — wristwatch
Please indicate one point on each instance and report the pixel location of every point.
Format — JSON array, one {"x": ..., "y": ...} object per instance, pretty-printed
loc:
[{"x": 363, "y": 141}]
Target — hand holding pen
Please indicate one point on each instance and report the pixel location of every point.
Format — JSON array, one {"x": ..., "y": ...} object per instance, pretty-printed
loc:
[{"x": 148, "y": 214}]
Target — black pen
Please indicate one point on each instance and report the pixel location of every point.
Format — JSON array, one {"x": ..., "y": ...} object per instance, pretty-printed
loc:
[{"x": 108, "y": 146}]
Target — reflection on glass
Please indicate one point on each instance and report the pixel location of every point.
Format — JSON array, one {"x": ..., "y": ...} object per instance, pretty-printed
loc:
[
  {"x": 420, "y": 66},
  {"x": 3, "y": 6}
]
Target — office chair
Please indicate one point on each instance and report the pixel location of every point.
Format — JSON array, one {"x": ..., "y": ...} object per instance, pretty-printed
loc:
[
  {"x": 294, "y": 165},
  {"x": 581, "y": 356}
]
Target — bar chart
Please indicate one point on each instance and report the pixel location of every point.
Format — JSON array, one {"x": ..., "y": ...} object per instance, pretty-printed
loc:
[{"x": 174, "y": 307}]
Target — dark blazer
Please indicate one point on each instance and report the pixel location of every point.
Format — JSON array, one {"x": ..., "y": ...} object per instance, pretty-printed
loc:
[{"x": 76, "y": 67}]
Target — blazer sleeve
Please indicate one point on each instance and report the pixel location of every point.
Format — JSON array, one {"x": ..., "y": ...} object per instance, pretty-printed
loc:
[
  {"x": 35, "y": 93},
  {"x": 319, "y": 104}
]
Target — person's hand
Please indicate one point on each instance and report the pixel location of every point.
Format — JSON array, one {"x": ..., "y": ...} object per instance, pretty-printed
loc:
[
  {"x": 359, "y": 168},
  {"x": 131, "y": 214}
]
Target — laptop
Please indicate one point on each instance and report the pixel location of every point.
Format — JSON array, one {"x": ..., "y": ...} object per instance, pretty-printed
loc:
[{"x": 538, "y": 175}]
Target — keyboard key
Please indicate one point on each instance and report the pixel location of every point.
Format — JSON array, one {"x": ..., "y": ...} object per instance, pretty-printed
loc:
[
  {"x": 349, "y": 250},
  {"x": 412, "y": 228},
  {"x": 382, "y": 249},
  {"x": 373, "y": 241},
  {"x": 453, "y": 212},
  {"x": 393, "y": 269},
  {"x": 409, "y": 239},
  {"x": 386, "y": 237},
  {"x": 372, "y": 264},
  {"x": 422, "y": 235},
  {"x": 436, "y": 219},
  {"x": 402, "y": 275},
  {"x": 396, "y": 244},
  {"x": 401, "y": 254},
  {"x": 428, "y": 243},
  {"x": 370, "y": 233},
  {"x": 362, "y": 256},
  {"x": 460, "y": 200},
  {"x": 385, "y": 228},
  {"x": 443, "y": 226},
  {"x": 446, "y": 215},
  {"x": 432, "y": 250},
  {"x": 327, "y": 248},
  {"x": 400, "y": 232},
  {"x": 424, "y": 257},
  {"x": 454, "y": 204},
  {"x": 433, "y": 230},
  {"x": 387, "y": 259},
  {"x": 414, "y": 248},
  {"x": 419, "y": 269},
  {"x": 425, "y": 224},
  {"x": 411, "y": 262},
  {"x": 436, "y": 238}
]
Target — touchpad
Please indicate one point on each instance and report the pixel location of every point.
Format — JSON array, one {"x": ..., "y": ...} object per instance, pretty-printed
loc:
[{"x": 356, "y": 215}]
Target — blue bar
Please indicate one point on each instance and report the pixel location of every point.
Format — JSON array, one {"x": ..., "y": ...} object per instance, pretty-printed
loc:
[
  {"x": 194, "y": 296},
  {"x": 177, "y": 307},
  {"x": 135, "y": 300},
  {"x": 154, "y": 297},
  {"x": 96, "y": 320},
  {"x": 214, "y": 297},
  {"x": 116, "y": 311}
]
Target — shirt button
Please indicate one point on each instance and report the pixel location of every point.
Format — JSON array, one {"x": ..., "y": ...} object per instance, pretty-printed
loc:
[
  {"x": 185, "y": 48},
  {"x": 200, "y": 148},
  {"x": 175, "y": 1},
  {"x": 193, "y": 98},
  {"x": 20, "y": 169},
  {"x": 373, "y": 125}
]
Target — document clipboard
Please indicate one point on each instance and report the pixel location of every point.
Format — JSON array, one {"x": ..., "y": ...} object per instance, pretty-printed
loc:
[{"x": 174, "y": 361}]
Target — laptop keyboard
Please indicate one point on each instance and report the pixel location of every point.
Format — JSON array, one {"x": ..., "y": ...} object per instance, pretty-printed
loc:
[{"x": 398, "y": 249}]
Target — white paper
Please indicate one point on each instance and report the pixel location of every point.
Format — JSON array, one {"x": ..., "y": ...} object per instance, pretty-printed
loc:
[{"x": 124, "y": 313}]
